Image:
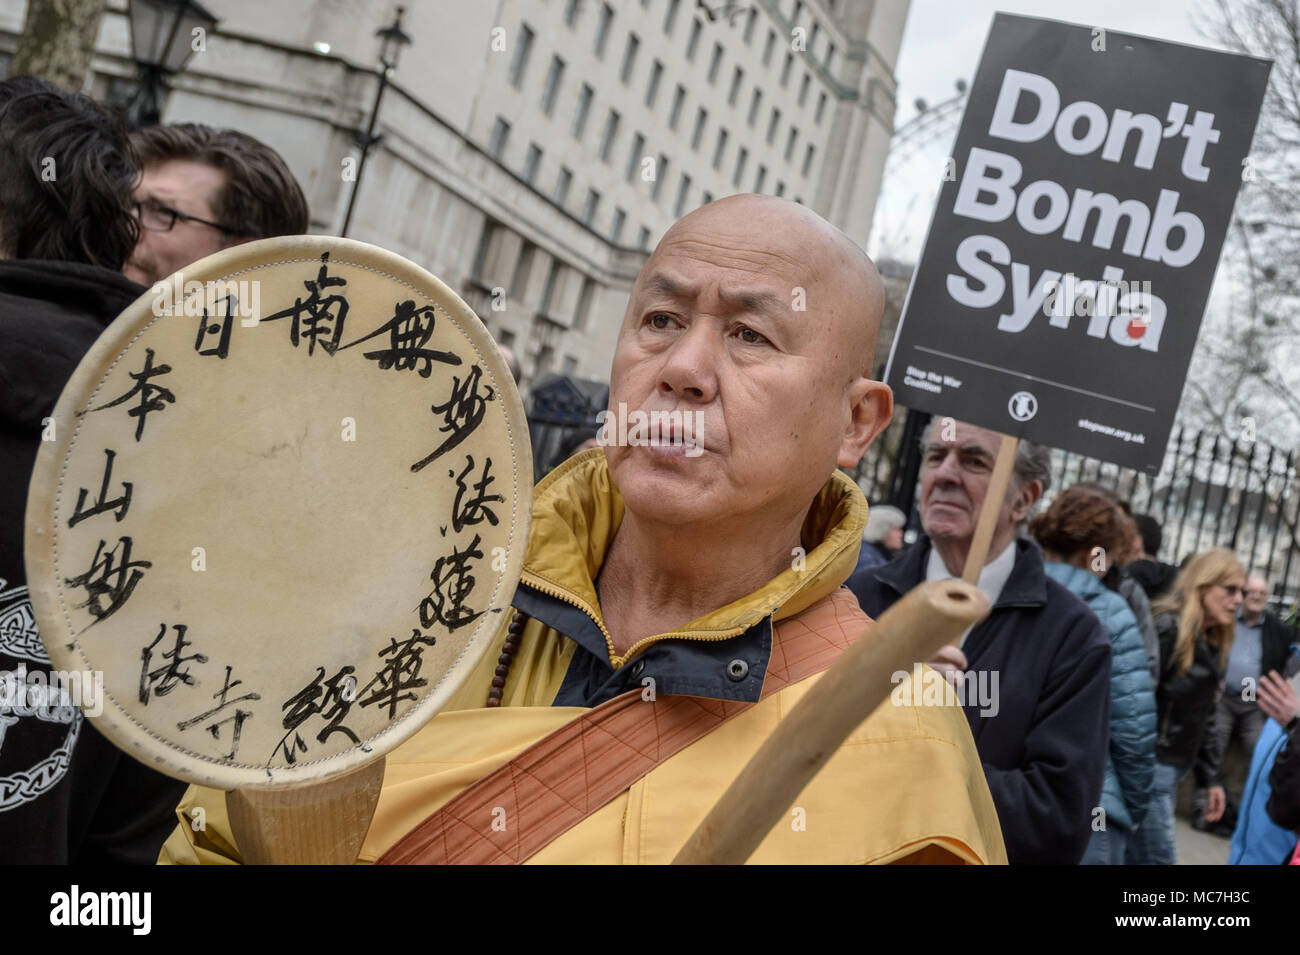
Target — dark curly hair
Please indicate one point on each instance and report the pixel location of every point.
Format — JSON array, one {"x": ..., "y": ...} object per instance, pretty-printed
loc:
[
  {"x": 260, "y": 199},
  {"x": 1080, "y": 519},
  {"x": 66, "y": 175}
]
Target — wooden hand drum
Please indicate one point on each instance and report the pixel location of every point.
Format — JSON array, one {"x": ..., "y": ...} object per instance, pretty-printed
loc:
[{"x": 283, "y": 511}]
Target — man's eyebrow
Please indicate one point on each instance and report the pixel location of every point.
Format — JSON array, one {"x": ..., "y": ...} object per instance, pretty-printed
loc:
[
  {"x": 968, "y": 449},
  {"x": 754, "y": 302},
  {"x": 661, "y": 285}
]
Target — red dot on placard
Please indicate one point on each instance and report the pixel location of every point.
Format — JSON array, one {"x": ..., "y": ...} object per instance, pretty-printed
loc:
[{"x": 1137, "y": 328}]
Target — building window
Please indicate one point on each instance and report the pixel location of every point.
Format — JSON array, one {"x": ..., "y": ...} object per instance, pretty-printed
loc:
[
  {"x": 749, "y": 24},
  {"x": 798, "y": 12},
  {"x": 694, "y": 42},
  {"x": 772, "y": 125},
  {"x": 790, "y": 142},
  {"x": 652, "y": 90},
  {"x": 768, "y": 47},
  {"x": 661, "y": 173},
  {"x": 785, "y": 70},
  {"x": 808, "y": 158},
  {"x": 741, "y": 158},
  {"x": 583, "y": 312},
  {"x": 720, "y": 148},
  {"x": 706, "y": 198},
  {"x": 571, "y": 8},
  {"x": 532, "y": 160},
  {"x": 670, "y": 18},
  {"x": 821, "y": 106},
  {"x": 589, "y": 207},
  {"x": 830, "y": 57},
  {"x": 562, "y": 186},
  {"x": 780, "y": 188},
  {"x": 523, "y": 267},
  {"x": 552, "y": 87},
  {"x": 682, "y": 189},
  {"x": 643, "y": 238},
  {"x": 490, "y": 229},
  {"x": 580, "y": 112},
  {"x": 715, "y": 61},
  {"x": 519, "y": 62},
  {"x": 803, "y": 87},
  {"x": 615, "y": 233},
  {"x": 629, "y": 57},
  {"x": 755, "y": 101},
  {"x": 602, "y": 28},
  {"x": 607, "y": 137},
  {"x": 548, "y": 292},
  {"x": 737, "y": 77},
  {"x": 761, "y": 179},
  {"x": 814, "y": 37},
  {"x": 799, "y": 199},
  {"x": 675, "y": 113},
  {"x": 500, "y": 135},
  {"x": 697, "y": 134},
  {"x": 634, "y": 156}
]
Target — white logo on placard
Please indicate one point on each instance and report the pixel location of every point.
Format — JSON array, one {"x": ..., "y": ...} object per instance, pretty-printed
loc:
[{"x": 1022, "y": 406}]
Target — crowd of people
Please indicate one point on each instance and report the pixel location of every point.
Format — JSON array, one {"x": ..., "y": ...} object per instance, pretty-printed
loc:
[
  {"x": 1119, "y": 673},
  {"x": 1116, "y": 674}
]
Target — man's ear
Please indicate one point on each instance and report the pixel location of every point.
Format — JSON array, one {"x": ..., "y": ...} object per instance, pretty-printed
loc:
[
  {"x": 871, "y": 405},
  {"x": 1024, "y": 500}
]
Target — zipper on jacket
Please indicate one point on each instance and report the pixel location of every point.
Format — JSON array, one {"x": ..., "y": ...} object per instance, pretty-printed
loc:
[{"x": 615, "y": 660}]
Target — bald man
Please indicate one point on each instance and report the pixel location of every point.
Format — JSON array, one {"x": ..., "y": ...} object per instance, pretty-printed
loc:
[{"x": 690, "y": 579}]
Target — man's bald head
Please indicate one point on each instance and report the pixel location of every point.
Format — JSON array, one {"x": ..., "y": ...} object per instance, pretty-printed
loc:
[
  {"x": 838, "y": 272},
  {"x": 758, "y": 319}
]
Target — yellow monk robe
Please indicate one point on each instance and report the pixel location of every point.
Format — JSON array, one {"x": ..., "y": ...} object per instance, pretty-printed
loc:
[{"x": 906, "y": 786}]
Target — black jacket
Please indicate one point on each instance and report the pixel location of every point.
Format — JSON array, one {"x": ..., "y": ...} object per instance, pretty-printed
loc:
[
  {"x": 66, "y": 793},
  {"x": 1186, "y": 704},
  {"x": 1156, "y": 577},
  {"x": 1275, "y": 645},
  {"x": 1284, "y": 780},
  {"x": 1044, "y": 751}
]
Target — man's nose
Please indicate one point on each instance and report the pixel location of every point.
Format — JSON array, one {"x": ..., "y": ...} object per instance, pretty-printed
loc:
[
  {"x": 690, "y": 365},
  {"x": 948, "y": 470}
]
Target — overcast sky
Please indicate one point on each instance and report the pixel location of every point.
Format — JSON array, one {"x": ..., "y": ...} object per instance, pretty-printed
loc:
[{"x": 942, "y": 43}]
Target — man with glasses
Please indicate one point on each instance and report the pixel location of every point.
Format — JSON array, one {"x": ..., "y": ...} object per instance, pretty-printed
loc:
[
  {"x": 1261, "y": 645},
  {"x": 202, "y": 190}
]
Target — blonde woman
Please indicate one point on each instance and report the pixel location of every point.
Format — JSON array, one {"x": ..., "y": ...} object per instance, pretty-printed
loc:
[{"x": 1195, "y": 624}]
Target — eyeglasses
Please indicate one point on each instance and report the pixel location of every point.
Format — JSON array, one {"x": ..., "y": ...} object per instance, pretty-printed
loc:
[{"x": 157, "y": 217}]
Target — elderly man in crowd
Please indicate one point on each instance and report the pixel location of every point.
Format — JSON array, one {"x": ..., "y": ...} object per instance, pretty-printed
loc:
[
  {"x": 657, "y": 575},
  {"x": 1044, "y": 737}
]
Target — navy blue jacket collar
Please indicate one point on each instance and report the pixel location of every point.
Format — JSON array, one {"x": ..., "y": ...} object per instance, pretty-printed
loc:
[
  {"x": 1026, "y": 587},
  {"x": 704, "y": 668}
]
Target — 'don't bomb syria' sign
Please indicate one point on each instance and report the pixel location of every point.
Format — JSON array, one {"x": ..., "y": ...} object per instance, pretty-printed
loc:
[{"x": 1069, "y": 260}]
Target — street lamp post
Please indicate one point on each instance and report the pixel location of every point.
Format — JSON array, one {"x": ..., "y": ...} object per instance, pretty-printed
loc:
[
  {"x": 162, "y": 42},
  {"x": 392, "y": 39}
]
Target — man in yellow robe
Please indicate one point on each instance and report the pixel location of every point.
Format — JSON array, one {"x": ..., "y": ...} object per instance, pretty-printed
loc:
[{"x": 708, "y": 562}]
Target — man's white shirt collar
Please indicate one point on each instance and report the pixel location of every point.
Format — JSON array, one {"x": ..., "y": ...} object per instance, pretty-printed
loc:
[{"x": 993, "y": 576}]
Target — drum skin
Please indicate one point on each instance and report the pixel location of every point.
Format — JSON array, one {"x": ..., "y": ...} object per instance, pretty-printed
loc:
[{"x": 282, "y": 508}]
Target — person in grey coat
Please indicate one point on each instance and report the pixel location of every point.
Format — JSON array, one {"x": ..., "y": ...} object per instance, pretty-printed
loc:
[{"x": 1079, "y": 534}]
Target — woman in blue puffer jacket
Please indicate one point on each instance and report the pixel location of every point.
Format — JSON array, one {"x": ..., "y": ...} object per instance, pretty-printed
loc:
[{"x": 1081, "y": 534}]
